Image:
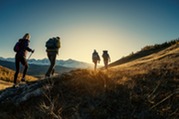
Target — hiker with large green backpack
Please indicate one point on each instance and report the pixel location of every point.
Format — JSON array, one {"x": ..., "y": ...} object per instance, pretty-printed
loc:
[
  {"x": 21, "y": 48},
  {"x": 95, "y": 59},
  {"x": 52, "y": 48},
  {"x": 106, "y": 58}
]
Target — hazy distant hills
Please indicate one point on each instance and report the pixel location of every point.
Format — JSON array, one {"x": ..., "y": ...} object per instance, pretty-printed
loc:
[
  {"x": 70, "y": 63},
  {"x": 39, "y": 67},
  {"x": 35, "y": 70}
]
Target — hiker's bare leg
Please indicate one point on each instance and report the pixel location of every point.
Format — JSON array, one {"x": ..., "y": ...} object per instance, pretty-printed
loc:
[{"x": 24, "y": 63}]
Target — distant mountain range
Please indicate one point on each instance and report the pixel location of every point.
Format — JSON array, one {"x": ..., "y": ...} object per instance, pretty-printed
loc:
[
  {"x": 70, "y": 63},
  {"x": 35, "y": 70},
  {"x": 39, "y": 67}
]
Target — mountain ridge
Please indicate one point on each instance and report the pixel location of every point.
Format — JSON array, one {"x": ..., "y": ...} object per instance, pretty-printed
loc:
[
  {"x": 35, "y": 70},
  {"x": 145, "y": 51},
  {"x": 70, "y": 63}
]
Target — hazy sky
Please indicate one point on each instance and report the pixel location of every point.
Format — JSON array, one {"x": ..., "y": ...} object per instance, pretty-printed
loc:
[{"x": 119, "y": 26}]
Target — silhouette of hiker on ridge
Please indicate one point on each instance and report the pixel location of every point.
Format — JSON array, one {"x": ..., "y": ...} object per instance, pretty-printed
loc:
[
  {"x": 52, "y": 45},
  {"x": 21, "y": 48},
  {"x": 95, "y": 59},
  {"x": 106, "y": 58}
]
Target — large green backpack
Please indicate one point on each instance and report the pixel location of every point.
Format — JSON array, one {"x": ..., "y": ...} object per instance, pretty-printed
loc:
[{"x": 53, "y": 43}]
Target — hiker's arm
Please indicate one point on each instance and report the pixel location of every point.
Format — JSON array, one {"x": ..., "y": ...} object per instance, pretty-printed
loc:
[{"x": 27, "y": 47}]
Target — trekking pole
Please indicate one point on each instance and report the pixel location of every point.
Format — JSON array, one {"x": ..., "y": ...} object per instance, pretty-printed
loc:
[{"x": 30, "y": 56}]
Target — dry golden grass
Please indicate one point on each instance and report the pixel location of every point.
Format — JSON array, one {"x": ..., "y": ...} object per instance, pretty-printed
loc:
[
  {"x": 4, "y": 84},
  {"x": 7, "y": 77},
  {"x": 116, "y": 93}
]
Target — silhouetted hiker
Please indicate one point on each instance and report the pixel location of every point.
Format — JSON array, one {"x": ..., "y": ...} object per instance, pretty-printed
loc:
[
  {"x": 52, "y": 45},
  {"x": 21, "y": 48},
  {"x": 95, "y": 58},
  {"x": 106, "y": 58}
]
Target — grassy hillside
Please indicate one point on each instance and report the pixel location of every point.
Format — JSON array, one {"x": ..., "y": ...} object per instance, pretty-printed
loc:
[
  {"x": 147, "y": 50},
  {"x": 7, "y": 77},
  {"x": 84, "y": 94},
  {"x": 145, "y": 88}
]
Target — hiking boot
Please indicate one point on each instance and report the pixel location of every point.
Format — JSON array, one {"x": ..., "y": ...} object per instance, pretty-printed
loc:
[
  {"x": 23, "y": 79},
  {"x": 53, "y": 71},
  {"x": 15, "y": 86},
  {"x": 47, "y": 76}
]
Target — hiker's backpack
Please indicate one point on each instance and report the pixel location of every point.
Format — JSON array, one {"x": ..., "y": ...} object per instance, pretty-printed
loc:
[
  {"x": 105, "y": 55},
  {"x": 18, "y": 46},
  {"x": 53, "y": 43},
  {"x": 95, "y": 56}
]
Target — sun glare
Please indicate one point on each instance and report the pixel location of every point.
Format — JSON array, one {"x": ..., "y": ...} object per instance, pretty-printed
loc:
[{"x": 89, "y": 37}]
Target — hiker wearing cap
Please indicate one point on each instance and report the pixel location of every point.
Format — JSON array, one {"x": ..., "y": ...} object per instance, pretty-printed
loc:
[
  {"x": 106, "y": 58},
  {"x": 52, "y": 48},
  {"x": 21, "y": 48},
  {"x": 95, "y": 59}
]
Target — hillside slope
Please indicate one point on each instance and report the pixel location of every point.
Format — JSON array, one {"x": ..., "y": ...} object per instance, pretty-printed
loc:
[
  {"x": 84, "y": 94},
  {"x": 7, "y": 77},
  {"x": 168, "y": 56},
  {"x": 146, "y": 88},
  {"x": 146, "y": 51}
]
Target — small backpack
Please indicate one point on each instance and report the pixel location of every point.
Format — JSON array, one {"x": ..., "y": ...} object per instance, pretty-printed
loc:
[
  {"x": 53, "y": 43},
  {"x": 105, "y": 54},
  {"x": 18, "y": 46},
  {"x": 96, "y": 56}
]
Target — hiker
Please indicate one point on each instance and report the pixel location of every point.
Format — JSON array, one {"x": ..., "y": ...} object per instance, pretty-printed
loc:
[
  {"x": 95, "y": 59},
  {"x": 21, "y": 48},
  {"x": 106, "y": 58},
  {"x": 52, "y": 45}
]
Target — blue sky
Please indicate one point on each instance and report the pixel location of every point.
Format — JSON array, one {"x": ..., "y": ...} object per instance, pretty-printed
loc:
[{"x": 119, "y": 26}]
